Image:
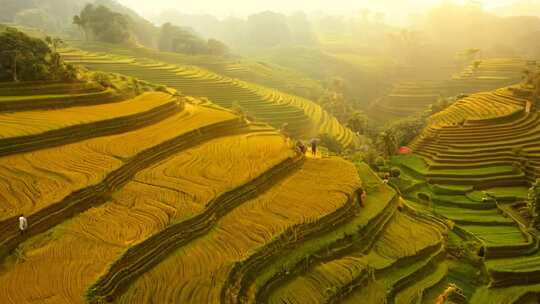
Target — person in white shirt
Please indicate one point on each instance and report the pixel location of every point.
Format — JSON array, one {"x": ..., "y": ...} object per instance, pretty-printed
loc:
[
  {"x": 386, "y": 178},
  {"x": 23, "y": 223}
]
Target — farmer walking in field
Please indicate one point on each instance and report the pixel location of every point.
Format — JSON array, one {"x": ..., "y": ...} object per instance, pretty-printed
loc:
[
  {"x": 386, "y": 178},
  {"x": 23, "y": 224},
  {"x": 301, "y": 147},
  {"x": 314, "y": 146}
]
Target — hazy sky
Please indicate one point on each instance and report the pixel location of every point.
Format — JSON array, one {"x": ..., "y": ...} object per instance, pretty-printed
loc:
[{"x": 223, "y": 8}]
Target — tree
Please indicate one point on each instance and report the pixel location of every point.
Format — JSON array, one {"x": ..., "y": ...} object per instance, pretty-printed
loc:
[
  {"x": 173, "y": 38},
  {"x": 84, "y": 19},
  {"x": 534, "y": 203},
  {"x": 386, "y": 142},
  {"x": 358, "y": 122},
  {"x": 104, "y": 24},
  {"x": 25, "y": 58},
  {"x": 14, "y": 57},
  {"x": 177, "y": 39},
  {"x": 216, "y": 47},
  {"x": 54, "y": 42},
  {"x": 331, "y": 143},
  {"x": 78, "y": 21},
  {"x": 333, "y": 100}
]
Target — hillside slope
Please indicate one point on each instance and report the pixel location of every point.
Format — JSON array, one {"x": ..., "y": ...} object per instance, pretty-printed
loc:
[
  {"x": 472, "y": 165},
  {"x": 415, "y": 96},
  {"x": 303, "y": 117},
  {"x": 167, "y": 199}
]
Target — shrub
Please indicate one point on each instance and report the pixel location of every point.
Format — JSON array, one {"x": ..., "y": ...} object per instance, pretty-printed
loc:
[
  {"x": 395, "y": 172},
  {"x": 102, "y": 78},
  {"x": 368, "y": 156},
  {"x": 162, "y": 88},
  {"x": 331, "y": 143}
]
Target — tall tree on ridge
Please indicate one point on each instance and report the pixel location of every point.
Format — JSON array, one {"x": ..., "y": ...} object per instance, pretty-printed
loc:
[{"x": 534, "y": 203}]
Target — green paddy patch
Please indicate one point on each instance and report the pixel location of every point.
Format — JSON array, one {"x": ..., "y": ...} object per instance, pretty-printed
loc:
[
  {"x": 505, "y": 295},
  {"x": 492, "y": 170},
  {"x": 414, "y": 163},
  {"x": 517, "y": 264},
  {"x": 496, "y": 235},
  {"x": 465, "y": 276},
  {"x": 519, "y": 193},
  {"x": 460, "y": 201},
  {"x": 451, "y": 189},
  {"x": 489, "y": 217}
]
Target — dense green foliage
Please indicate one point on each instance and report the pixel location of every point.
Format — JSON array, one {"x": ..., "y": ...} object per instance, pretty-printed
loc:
[
  {"x": 25, "y": 58},
  {"x": 331, "y": 143},
  {"x": 103, "y": 24},
  {"x": 100, "y": 23},
  {"x": 143, "y": 31},
  {"x": 55, "y": 17},
  {"x": 181, "y": 40}
]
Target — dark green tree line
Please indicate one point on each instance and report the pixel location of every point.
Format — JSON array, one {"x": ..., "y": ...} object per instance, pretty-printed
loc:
[
  {"x": 103, "y": 24},
  {"x": 173, "y": 38},
  {"x": 23, "y": 58}
]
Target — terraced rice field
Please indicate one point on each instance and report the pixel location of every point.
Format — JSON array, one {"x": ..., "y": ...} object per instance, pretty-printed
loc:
[
  {"x": 27, "y": 123},
  {"x": 190, "y": 205},
  {"x": 248, "y": 69},
  {"x": 49, "y": 95},
  {"x": 46, "y": 176},
  {"x": 403, "y": 238},
  {"x": 304, "y": 118},
  {"x": 485, "y": 142},
  {"x": 166, "y": 193},
  {"x": 201, "y": 267},
  {"x": 412, "y": 97}
]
